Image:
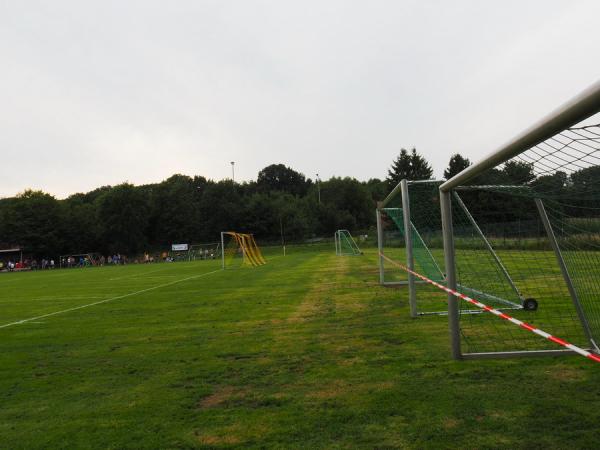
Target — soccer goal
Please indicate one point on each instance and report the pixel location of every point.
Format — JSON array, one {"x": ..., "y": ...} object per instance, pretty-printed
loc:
[
  {"x": 413, "y": 209},
  {"x": 239, "y": 249},
  {"x": 536, "y": 202},
  {"x": 345, "y": 245},
  {"x": 204, "y": 252},
  {"x": 79, "y": 260}
]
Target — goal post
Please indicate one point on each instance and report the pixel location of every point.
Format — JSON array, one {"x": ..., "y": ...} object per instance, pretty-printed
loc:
[
  {"x": 546, "y": 222},
  {"x": 417, "y": 219},
  {"x": 345, "y": 245},
  {"x": 239, "y": 249}
]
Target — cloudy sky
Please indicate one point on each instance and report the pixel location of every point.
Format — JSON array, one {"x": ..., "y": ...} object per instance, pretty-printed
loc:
[{"x": 101, "y": 92}]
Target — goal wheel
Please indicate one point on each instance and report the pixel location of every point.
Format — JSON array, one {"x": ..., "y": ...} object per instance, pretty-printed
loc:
[{"x": 530, "y": 304}]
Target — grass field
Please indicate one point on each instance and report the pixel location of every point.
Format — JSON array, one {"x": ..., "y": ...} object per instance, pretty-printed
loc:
[{"x": 305, "y": 352}]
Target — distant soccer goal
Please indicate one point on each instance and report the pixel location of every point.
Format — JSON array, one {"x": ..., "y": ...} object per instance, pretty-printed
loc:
[
  {"x": 204, "y": 252},
  {"x": 345, "y": 245},
  {"x": 239, "y": 249},
  {"x": 80, "y": 260},
  {"x": 537, "y": 199}
]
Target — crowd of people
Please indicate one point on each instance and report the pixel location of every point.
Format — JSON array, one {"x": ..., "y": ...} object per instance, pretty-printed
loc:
[
  {"x": 88, "y": 260},
  {"x": 26, "y": 264}
]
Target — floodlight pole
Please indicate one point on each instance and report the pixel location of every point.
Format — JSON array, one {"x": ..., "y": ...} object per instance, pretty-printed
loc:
[
  {"x": 233, "y": 172},
  {"x": 318, "y": 180}
]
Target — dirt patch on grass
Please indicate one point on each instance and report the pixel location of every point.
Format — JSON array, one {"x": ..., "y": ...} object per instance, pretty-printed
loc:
[
  {"x": 350, "y": 361},
  {"x": 333, "y": 390},
  {"x": 339, "y": 388},
  {"x": 450, "y": 423},
  {"x": 567, "y": 374},
  {"x": 220, "y": 396},
  {"x": 212, "y": 440},
  {"x": 235, "y": 434}
]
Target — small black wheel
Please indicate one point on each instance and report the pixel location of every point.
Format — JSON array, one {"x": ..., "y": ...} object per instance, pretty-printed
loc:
[{"x": 530, "y": 304}]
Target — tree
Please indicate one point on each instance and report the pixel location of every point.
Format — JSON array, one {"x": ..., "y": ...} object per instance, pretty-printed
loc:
[
  {"x": 409, "y": 166},
  {"x": 278, "y": 177},
  {"x": 80, "y": 226},
  {"x": 222, "y": 208},
  {"x": 175, "y": 210},
  {"x": 347, "y": 202},
  {"x": 583, "y": 190},
  {"x": 519, "y": 172},
  {"x": 33, "y": 220},
  {"x": 456, "y": 165},
  {"x": 377, "y": 188},
  {"x": 122, "y": 213}
]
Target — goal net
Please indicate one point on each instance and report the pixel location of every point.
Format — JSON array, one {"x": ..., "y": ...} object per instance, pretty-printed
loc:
[
  {"x": 204, "y": 252},
  {"x": 80, "y": 260},
  {"x": 240, "y": 249},
  {"x": 345, "y": 245},
  {"x": 536, "y": 202},
  {"x": 415, "y": 207}
]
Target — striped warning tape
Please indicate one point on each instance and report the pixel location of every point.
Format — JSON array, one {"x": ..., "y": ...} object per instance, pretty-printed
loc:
[{"x": 500, "y": 314}]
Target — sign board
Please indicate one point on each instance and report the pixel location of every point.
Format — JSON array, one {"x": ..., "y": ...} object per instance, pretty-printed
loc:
[{"x": 179, "y": 247}]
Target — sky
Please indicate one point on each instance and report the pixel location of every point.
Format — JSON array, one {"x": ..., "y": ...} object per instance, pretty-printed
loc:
[{"x": 95, "y": 93}]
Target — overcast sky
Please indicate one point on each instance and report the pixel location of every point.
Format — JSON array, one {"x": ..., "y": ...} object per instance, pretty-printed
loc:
[{"x": 96, "y": 93}]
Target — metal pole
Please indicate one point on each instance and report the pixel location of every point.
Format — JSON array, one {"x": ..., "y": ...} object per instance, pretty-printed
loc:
[
  {"x": 232, "y": 172},
  {"x": 449, "y": 258},
  {"x": 222, "y": 251},
  {"x": 380, "y": 246},
  {"x": 488, "y": 245},
  {"x": 565, "y": 272},
  {"x": 319, "y": 188},
  {"x": 335, "y": 242},
  {"x": 410, "y": 262},
  {"x": 282, "y": 238}
]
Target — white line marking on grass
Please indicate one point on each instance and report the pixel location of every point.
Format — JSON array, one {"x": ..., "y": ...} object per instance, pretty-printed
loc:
[{"x": 31, "y": 319}]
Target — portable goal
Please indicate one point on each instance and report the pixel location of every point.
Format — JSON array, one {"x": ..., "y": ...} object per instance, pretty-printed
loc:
[
  {"x": 240, "y": 249},
  {"x": 201, "y": 252},
  {"x": 345, "y": 245},
  {"x": 79, "y": 260},
  {"x": 415, "y": 206},
  {"x": 536, "y": 200}
]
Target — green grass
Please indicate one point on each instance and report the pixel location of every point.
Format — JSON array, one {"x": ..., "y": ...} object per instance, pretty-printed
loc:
[{"x": 305, "y": 352}]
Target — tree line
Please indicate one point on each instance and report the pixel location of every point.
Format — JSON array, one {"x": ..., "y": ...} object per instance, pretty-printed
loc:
[{"x": 280, "y": 204}]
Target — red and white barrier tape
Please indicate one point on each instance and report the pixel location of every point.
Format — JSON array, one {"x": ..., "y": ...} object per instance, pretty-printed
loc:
[{"x": 500, "y": 314}]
